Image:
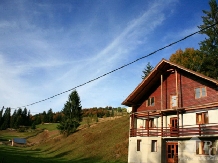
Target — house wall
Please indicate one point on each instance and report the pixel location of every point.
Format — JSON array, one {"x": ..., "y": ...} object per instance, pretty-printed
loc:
[
  {"x": 189, "y": 83},
  {"x": 187, "y": 152},
  {"x": 185, "y": 119},
  {"x": 186, "y": 84},
  {"x": 144, "y": 155},
  {"x": 190, "y": 118}
]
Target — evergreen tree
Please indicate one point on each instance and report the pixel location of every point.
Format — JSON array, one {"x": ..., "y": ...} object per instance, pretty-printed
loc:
[
  {"x": 50, "y": 115},
  {"x": 24, "y": 117},
  {"x": 209, "y": 46},
  {"x": 44, "y": 117},
  {"x": 38, "y": 119},
  {"x": 6, "y": 119},
  {"x": 33, "y": 125},
  {"x": 28, "y": 119},
  {"x": 18, "y": 118},
  {"x": 72, "y": 114},
  {"x": 13, "y": 119},
  {"x": 1, "y": 116},
  {"x": 147, "y": 70}
]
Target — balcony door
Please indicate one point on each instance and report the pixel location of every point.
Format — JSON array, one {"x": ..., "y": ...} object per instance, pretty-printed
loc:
[{"x": 173, "y": 126}]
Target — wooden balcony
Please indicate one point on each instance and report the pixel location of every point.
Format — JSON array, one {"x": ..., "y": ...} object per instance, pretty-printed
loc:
[{"x": 181, "y": 131}]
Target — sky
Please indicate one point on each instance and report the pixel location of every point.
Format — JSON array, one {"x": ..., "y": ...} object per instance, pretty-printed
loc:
[{"x": 49, "y": 47}]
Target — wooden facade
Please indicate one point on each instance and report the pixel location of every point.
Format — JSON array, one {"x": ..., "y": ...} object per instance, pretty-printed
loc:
[{"x": 173, "y": 103}]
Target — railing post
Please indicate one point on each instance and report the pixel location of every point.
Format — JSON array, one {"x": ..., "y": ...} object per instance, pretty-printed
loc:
[
  {"x": 161, "y": 124},
  {"x": 199, "y": 129},
  {"x": 148, "y": 123}
]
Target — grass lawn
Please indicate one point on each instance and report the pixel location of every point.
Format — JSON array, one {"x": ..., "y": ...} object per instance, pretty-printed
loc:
[
  {"x": 24, "y": 155},
  {"x": 49, "y": 126},
  {"x": 6, "y": 135},
  {"x": 103, "y": 142}
]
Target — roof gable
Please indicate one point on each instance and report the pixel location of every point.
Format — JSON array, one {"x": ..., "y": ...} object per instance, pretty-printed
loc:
[{"x": 154, "y": 77}]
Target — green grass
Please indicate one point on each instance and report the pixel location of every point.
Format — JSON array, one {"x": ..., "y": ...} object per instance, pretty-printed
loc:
[
  {"x": 103, "y": 142},
  {"x": 21, "y": 155},
  {"x": 50, "y": 126},
  {"x": 9, "y": 134}
]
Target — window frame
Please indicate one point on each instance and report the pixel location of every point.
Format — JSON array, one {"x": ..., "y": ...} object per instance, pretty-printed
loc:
[
  {"x": 149, "y": 101},
  {"x": 204, "y": 118},
  {"x": 171, "y": 101},
  {"x": 202, "y": 145},
  {"x": 200, "y": 93},
  {"x": 138, "y": 147},
  {"x": 153, "y": 145}
]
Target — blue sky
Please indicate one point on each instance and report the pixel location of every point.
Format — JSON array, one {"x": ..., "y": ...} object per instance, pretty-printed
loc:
[{"x": 48, "y": 47}]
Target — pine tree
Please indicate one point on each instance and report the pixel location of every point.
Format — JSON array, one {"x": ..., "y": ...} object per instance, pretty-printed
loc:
[
  {"x": 147, "y": 70},
  {"x": 1, "y": 116},
  {"x": 72, "y": 114},
  {"x": 13, "y": 119},
  {"x": 209, "y": 46},
  {"x": 50, "y": 115},
  {"x": 6, "y": 119},
  {"x": 33, "y": 126}
]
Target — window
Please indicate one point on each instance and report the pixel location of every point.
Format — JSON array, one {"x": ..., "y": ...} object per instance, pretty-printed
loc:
[
  {"x": 202, "y": 118},
  {"x": 138, "y": 144},
  {"x": 149, "y": 123},
  {"x": 153, "y": 145},
  {"x": 150, "y": 101},
  {"x": 200, "y": 92},
  {"x": 173, "y": 101},
  {"x": 205, "y": 147}
]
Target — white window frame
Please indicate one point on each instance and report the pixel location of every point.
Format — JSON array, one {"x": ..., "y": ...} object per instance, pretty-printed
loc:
[{"x": 201, "y": 95}]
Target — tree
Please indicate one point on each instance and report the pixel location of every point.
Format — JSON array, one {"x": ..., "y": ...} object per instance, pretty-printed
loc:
[
  {"x": 50, "y": 115},
  {"x": 209, "y": 46},
  {"x": 33, "y": 126},
  {"x": 72, "y": 114},
  {"x": 189, "y": 58},
  {"x": 1, "y": 116},
  {"x": 147, "y": 70},
  {"x": 6, "y": 119},
  {"x": 13, "y": 119}
]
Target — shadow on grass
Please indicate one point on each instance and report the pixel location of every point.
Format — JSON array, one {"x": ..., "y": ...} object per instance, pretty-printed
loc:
[
  {"x": 21, "y": 155},
  {"x": 10, "y": 154}
]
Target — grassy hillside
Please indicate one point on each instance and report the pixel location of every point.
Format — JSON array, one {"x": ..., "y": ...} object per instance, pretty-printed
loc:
[{"x": 105, "y": 141}]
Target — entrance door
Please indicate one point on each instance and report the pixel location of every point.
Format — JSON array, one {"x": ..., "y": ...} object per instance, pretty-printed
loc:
[
  {"x": 173, "y": 126},
  {"x": 172, "y": 152}
]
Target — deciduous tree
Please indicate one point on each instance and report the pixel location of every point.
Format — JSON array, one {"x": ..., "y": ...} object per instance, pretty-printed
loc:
[{"x": 189, "y": 58}]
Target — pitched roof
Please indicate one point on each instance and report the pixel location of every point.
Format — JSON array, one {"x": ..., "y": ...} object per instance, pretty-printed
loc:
[
  {"x": 19, "y": 140},
  {"x": 154, "y": 77}
]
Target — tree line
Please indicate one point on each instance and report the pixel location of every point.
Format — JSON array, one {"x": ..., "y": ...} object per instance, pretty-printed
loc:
[
  {"x": 23, "y": 117},
  {"x": 101, "y": 112}
]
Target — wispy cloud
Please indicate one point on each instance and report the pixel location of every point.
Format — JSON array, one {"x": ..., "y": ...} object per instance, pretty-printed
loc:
[{"x": 39, "y": 60}]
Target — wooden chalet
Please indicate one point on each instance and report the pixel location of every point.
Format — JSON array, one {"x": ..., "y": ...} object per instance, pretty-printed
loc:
[{"x": 174, "y": 116}]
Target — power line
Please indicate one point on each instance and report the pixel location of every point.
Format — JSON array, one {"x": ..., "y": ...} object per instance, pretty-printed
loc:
[{"x": 122, "y": 66}]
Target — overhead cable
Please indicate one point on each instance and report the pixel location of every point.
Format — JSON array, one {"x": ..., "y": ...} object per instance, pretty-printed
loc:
[{"x": 122, "y": 66}]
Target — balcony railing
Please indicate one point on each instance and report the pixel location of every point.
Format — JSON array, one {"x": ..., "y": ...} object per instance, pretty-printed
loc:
[{"x": 181, "y": 131}]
